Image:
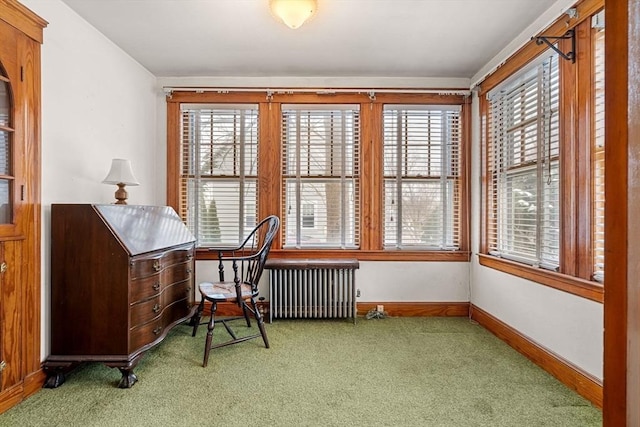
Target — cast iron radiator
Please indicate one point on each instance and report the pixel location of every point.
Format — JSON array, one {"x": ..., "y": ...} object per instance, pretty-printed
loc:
[{"x": 303, "y": 288}]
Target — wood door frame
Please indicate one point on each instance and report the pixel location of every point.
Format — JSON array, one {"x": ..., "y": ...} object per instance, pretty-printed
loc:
[{"x": 622, "y": 245}]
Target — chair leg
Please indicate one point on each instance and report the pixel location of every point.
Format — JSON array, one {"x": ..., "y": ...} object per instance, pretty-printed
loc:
[
  {"x": 260, "y": 321},
  {"x": 245, "y": 311},
  {"x": 210, "y": 326},
  {"x": 195, "y": 320}
]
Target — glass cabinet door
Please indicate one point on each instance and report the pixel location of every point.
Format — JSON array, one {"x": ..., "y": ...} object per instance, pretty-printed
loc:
[{"x": 6, "y": 137}]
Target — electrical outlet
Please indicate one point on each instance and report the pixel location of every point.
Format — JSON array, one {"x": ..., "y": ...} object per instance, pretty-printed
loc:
[
  {"x": 358, "y": 293},
  {"x": 380, "y": 308}
]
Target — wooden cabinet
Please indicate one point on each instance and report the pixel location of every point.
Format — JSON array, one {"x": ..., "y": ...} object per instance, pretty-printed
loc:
[
  {"x": 121, "y": 278},
  {"x": 20, "y": 282}
]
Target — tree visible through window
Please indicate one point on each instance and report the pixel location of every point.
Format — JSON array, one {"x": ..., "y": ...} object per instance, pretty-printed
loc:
[
  {"x": 320, "y": 168},
  {"x": 422, "y": 176},
  {"x": 219, "y": 172},
  {"x": 524, "y": 200},
  {"x": 339, "y": 170}
]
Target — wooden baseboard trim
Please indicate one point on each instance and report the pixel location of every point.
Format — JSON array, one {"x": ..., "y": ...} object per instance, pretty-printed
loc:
[
  {"x": 34, "y": 382},
  {"x": 570, "y": 375},
  {"x": 400, "y": 309},
  {"x": 11, "y": 397},
  {"x": 31, "y": 384},
  {"x": 418, "y": 309}
]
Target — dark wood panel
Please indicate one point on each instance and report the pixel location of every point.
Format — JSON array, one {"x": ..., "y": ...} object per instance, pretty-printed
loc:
[
  {"x": 89, "y": 268},
  {"x": 108, "y": 305}
]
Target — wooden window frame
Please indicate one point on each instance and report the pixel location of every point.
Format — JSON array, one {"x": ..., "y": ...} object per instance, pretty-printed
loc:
[
  {"x": 440, "y": 146},
  {"x": 195, "y": 178},
  {"x": 528, "y": 104},
  {"x": 576, "y": 108},
  {"x": 270, "y": 173},
  {"x": 298, "y": 133}
]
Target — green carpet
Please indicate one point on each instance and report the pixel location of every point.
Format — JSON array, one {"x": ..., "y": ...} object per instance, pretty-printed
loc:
[{"x": 381, "y": 372}]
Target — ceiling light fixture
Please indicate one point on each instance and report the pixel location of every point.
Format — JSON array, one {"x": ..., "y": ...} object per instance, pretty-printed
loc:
[{"x": 293, "y": 13}]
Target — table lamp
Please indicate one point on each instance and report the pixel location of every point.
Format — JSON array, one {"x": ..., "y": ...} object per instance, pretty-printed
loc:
[{"x": 121, "y": 174}]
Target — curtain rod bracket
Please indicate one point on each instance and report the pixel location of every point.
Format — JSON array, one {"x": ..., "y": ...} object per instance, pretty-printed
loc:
[{"x": 570, "y": 34}]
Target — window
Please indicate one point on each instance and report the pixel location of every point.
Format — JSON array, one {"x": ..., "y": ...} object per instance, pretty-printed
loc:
[
  {"x": 542, "y": 120},
  {"x": 597, "y": 145},
  {"x": 219, "y": 172},
  {"x": 523, "y": 166},
  {"x": 421, "y": 176},
  {"x": 320, "y": 169},
  {"x": 336, "y": 168}
]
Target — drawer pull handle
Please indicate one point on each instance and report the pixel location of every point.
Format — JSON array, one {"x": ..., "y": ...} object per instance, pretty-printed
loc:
[
  {"x": 156, "y": 308},
  {"x": 156, "y": 286},
  {"x": 189, "y": 257},
  {"x": 157, "y": 330},
  {"x": 188, "y": 271},
  {"x": 156, "y": 265},
  {"x": 3, "y": 365},
  {"x": 3, "y": 267}
]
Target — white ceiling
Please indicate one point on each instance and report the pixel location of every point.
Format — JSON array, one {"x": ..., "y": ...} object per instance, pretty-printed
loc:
[{"x": 361, "y": 38}]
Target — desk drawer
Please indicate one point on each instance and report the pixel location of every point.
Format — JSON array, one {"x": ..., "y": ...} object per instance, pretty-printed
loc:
[
  {"x": 145, "y": 311},
  {"x": 146, "y": 334},
  {"x": 141, "y": 335},
  {"x": 142, "y": 289},
  {"x": 147, "y": 287},
  {"x": 176, "y": 291},
  {"x": 151, "y": 265}
]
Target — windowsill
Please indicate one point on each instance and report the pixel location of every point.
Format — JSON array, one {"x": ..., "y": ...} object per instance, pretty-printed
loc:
[
  {"x": 573, "y": 285},
  {"x": 389, "y": 255}
]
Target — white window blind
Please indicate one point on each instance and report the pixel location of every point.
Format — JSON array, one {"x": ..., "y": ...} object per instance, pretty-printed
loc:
[
  {"x": 218, "y": 180},
  {"x": 422, "y": 176},
  {"x": 597, "y": 147},
  {"x": 320, "y": 164},
  {"x": 523, "y": 166}
]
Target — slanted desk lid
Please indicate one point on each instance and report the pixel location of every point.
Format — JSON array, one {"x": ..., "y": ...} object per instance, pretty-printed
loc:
[{"x": 143, "y": 229}]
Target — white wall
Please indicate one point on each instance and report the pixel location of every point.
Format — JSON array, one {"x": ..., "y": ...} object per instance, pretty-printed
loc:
[
  {"x": 565, "y": 324},
  {"x": 386, "y": 281},
  {"x": 97, "y": 104}
]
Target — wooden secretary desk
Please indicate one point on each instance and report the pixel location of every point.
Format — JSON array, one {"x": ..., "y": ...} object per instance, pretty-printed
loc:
[{"x": 121, "y": 278}]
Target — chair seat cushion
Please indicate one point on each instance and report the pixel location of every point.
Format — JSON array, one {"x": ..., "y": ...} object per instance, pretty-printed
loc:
[{"x": 223, "y": 291}]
